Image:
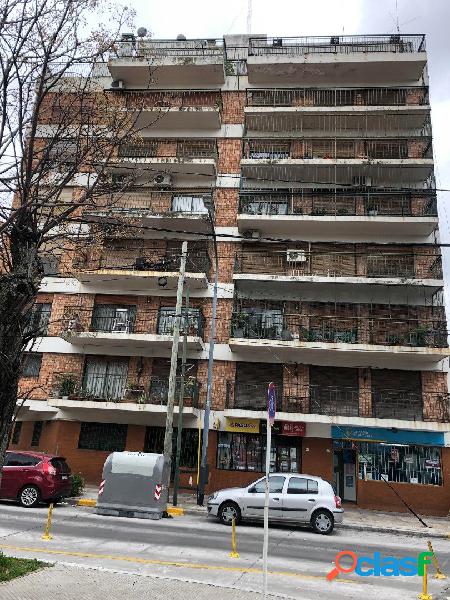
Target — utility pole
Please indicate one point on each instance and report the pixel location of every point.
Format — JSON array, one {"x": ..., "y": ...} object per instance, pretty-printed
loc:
[
  {"x": 173, "y": 376},
  {"x": 176, "y": 478}
]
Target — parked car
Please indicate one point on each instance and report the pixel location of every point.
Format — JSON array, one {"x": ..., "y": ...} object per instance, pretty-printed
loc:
[
  {"x": 293, "y": 498},
  {"x": 32, "y": 477}
]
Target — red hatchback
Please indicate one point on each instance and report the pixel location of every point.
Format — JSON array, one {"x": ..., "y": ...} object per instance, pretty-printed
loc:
[{"x": 32, "y": 477}]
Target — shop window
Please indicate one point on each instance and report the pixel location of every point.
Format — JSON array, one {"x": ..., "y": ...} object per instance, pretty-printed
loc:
[
  {"x": 154, "y": 442},
  {"x": 400, "y": 463},
  {"x": 16, "y": 433},
  {"x": 109, "y": 437},
  {"x": 37, "y": 431},
  {"x": 31, "y": 365}
]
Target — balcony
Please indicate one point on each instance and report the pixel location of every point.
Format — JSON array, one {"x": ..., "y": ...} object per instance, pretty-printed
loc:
[
  {"x": 181, "y": 210},
  {"x": 344, "y": 342},
  {"x": 139, "y": 62},
  {"x": 119, "y": 331},
  {"x": 191, "y": 160},
  {"x": 337, "y": 272},
  {"x": 130, "y": 269},
  {"x": 330, "y": 161},
  {"x": 339, "y": 213},
  {"x": 337, "y": 60},
  {"x": 91, "y": 389},
  {"x": 308, "y": 402},
  {"x": 174, "y": 110},
  {"x": 399, "y": 111}
]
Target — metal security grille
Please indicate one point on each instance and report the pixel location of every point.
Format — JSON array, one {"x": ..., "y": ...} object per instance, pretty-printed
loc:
[
  {"x": 31, "y": 364},
  {"x": 109, "y": 437},
  {"x": 39, "y": 319},
  {"x": 37, "y": 431},
  {"x": 154, "y": 442}
]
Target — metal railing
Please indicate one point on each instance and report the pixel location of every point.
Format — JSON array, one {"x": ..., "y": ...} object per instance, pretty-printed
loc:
[
  {"x": 132, "y": 47},
  {"x": 173, "y": 99},
  {"x": 185, "y": 149},
  {"x": 342, "y": 203},
  {"x": 299, "y": 262},
  {"x": 406, "y": 405},
  {"x": 337, "y": 148},
  {"x": 144, "y": 259},
  {"x": 159, "y": 388},
  {"x": 344, "y": 44},
  {"x": 273, "y": 325},
  {"x": 134, "y": 204},
  {"x": 379, "y": 96}
]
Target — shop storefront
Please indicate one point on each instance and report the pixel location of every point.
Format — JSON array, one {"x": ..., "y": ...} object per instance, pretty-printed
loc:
[{"x": 364, "y": 459}]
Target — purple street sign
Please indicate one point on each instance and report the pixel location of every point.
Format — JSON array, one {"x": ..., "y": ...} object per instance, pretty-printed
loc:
[{"x": 271, "y": 403}]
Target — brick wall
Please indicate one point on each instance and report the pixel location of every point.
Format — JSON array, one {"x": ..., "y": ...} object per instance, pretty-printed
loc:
[
  {"x": 226, "y": 202},
  {"x": 233, "y": 107},
  {"x": 230, "y": 150}
]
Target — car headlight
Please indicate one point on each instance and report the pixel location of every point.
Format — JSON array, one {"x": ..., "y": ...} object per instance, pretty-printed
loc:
[{"x": 213, "y": 496}]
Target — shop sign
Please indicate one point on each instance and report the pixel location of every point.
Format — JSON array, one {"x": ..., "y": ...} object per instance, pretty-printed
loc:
[
  {"x": 289, "y": 428},
  {"x": 431, "y": 463},
  {"x": 393, "y": 436},
  {"x": 242, "y": 425}
]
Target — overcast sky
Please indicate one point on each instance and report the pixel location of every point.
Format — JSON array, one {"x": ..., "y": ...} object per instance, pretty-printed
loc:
[{"x": 209, "y": 18}]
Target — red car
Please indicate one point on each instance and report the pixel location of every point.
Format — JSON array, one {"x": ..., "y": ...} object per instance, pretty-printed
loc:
[{"x": 33, "y": 477}]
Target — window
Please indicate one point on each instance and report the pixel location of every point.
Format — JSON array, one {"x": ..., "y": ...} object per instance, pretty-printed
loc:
[
  {"x": 276, "y": 484},
  {"x": 21, "y": 460},
  {"x": 39, "y": 319},
  {"x": 154, "y": 442},
  {"x": 31, "y": 365},
  {"x": 298, "y": 485},
  {"x": 105, "y": 379},
  {"x": 16, "y": 433},
  {"x": 400, "y": 463},
  {"x": 113, "y": 318},
  {"x": 37, "y": 430},
  {"x": 166, "y": 321},
  {"x": 109, "y": 437}
]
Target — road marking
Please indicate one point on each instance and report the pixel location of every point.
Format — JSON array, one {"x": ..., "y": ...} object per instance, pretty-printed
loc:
[{"x": 172, "y": 563}]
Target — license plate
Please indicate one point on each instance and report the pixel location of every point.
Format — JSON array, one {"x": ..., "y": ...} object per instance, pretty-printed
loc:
[{"x": 63, "y": 476}]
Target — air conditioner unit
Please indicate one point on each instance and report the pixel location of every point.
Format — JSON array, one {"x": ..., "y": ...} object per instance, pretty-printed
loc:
[
  {"x": 295, "y": 256},
  {"x": 162, "y": 180},
  {"x": 362, "y": 181},
  {"x": 117, "y": 84}
]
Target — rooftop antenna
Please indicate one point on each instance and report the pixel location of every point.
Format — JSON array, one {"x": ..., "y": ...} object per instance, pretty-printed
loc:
[
  {"x": 396, "y": 15},
  {"x": 249, "y": 17}
]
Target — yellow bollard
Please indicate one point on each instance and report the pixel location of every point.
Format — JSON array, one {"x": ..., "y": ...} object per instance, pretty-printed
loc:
[
  {"x": 46, "y": 536},
  {"x": 425, "y": 595},
  {"x": 234, "y": 553},
  {"x": 439, "y": 573}
]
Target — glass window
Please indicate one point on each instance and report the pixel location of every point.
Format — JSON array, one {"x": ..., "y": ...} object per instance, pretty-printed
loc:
[
  {"x": 113, "y": 318},
  {"x": 37, "y": 430},
  {"x": 154, "y": 442},
  {"x": 299, "y": 485},
  {"x": 276, "y": 483},
  {"x": 109, "y": 437},
  {"x": 22, "y": 460},
  {"x": 400, "y": 463},
  {"x": 38, "y": 320},
  {"x": 31, "y": 365},
  {"x": 16, "y": 433},
  {"x": 105, "y": 379}
]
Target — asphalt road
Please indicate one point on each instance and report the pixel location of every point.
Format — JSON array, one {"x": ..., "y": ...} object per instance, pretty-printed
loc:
[{"x": 194, "y": 548}]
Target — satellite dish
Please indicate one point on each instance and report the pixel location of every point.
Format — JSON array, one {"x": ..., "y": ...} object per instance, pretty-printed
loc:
[
  {"x": 142, "y": 32},
  {"x": 181, "y": 37}
]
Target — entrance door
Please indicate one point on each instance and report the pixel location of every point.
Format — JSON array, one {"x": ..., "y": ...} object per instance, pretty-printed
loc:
[{"x": 345, "y": 474}]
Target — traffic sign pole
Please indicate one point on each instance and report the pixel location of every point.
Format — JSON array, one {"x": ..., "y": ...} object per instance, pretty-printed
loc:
[{"x": 271, "y": 410}]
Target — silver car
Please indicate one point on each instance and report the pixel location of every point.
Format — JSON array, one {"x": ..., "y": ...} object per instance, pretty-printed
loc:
[{"x": 293, "y": 498}]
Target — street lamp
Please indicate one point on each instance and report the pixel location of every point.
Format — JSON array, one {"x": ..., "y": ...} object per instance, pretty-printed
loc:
[{"x": 203, "y": 478}]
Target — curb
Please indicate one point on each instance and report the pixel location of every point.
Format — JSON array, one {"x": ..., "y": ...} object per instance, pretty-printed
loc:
[{"x": 86, "y": 502}]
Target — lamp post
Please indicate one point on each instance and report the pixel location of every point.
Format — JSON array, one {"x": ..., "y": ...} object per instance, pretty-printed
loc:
[{"x": 203, "y": 479}]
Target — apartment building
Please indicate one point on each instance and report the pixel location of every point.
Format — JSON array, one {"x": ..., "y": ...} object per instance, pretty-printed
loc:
[{"x": 312, "y": 158}]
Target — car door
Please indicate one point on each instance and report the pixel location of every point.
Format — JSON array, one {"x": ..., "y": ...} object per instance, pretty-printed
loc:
[
  {"x": 7, "y": 478},
  {"x": 254, "y": 498},
  {"x": 12, "y": 475},
  {"x": 300, "y": 498}
]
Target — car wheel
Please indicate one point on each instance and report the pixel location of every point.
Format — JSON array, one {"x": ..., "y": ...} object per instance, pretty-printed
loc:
[
  {"x": 322, "y": 522},
  {"x": 29, "y": 496},
  {"x": 229, "y": 511}
]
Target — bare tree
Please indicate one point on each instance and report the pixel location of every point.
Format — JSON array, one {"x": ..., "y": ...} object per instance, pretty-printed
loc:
[{"x": 60, "y": 131}]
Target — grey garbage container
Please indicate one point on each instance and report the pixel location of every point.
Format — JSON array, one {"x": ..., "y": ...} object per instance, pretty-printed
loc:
[{"x": 131, "y": 486}]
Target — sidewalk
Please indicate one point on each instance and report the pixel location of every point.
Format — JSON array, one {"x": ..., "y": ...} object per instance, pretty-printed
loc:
[
  {"x": 76, "y": 583},
  {"x": 354, "y": 518}
]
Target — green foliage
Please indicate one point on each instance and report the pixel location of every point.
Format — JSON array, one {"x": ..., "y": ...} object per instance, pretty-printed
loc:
[
  {"x": 77, "y": 482},
  {"x": 10, "y": 567}
]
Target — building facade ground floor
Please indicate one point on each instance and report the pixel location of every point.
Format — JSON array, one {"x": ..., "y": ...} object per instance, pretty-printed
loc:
[{"x": 367, "y": 465}]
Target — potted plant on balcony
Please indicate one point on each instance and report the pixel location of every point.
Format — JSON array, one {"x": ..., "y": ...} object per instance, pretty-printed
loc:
[
  {"x": 67, "y": 386},
  {"x": 239, "y": 324},
  {"x": 190, "y": 388}
]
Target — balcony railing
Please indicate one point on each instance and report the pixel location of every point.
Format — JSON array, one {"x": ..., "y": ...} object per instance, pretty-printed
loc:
[
  {"x": 379, "y": 96},
  {"x": 130, "y": 47},
  {"x": 127, "y": 321},
  {"x": 345, "y": 44},
  {"x": 159, "y": 390},
  {"x": 144, "y": 259},
  {"x": 373, "y": 204},
  {"x": 166, "y": 99},
  {"x": 301, "y": 262},
  {"x": 343, "y": 401},
  {"x": 133, "y": 204},
  {"x": 339, "y": 330},
  {"x": 183, "y": 149},
  {"x": 338, "y": 148}
]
